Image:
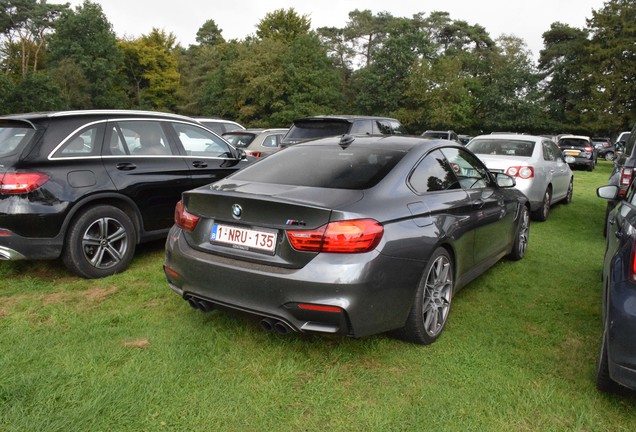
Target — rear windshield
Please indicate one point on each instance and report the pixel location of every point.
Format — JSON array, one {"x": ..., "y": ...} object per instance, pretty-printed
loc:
[
  {"x": 324, "y": 167},
  {"x": 439, "y": 135},
  {"x": 13, "y": 138},
  {"x": 573, "y": 142},
  {"x": 500, "y": 147},
  {"x": 239, "y": 140},
  {"x": 317, "y": 129}
]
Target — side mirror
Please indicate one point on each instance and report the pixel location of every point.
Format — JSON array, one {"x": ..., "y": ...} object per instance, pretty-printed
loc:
[
  {"x": 505, "y": 180},
  {"x": 609, "y": 192},
  {"x": 241, "y": 154}
]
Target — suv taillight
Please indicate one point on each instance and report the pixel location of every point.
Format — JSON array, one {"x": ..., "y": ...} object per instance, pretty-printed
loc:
[
  {"x": 20, "y": 183},
  {"x": 348, "y": 236},
  {"x": 625, "y": 180},
  {"x": 184, "y": 220}
]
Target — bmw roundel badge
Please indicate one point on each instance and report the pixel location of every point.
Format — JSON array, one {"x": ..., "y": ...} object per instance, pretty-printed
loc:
[{"x": 237, "y": 211}]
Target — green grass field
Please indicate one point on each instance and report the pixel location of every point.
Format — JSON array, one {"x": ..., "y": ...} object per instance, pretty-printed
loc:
[{"x": 126, "y": 354}]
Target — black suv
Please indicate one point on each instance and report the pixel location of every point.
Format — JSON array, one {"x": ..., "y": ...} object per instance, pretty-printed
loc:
[
  {"x": 89, "y": 185},
  {"x": 308, "y": 128}
]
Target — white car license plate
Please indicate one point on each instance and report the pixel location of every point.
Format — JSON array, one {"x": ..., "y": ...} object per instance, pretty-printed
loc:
[{"x": 244, "y": 238}]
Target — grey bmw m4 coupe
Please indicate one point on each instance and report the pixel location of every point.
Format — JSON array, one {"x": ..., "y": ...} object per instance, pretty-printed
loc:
[{"x": 350, "y": 235}]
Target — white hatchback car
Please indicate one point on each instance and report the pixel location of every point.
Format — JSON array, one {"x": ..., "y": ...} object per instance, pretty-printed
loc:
[{"x": 537, "y": 164}]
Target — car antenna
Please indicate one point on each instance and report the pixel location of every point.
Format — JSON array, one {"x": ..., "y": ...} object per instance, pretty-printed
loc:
[{"x": 345, "y": 141}]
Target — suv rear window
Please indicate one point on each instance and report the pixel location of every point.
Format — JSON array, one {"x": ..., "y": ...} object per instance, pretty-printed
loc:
[
  {"x": 317, "y": 129},
  {"x": 14, "y": 137},
  {"x": 573, "y": 142},
  {"x": 238, "y": 139},
  {"x": 325, "y": 167}
]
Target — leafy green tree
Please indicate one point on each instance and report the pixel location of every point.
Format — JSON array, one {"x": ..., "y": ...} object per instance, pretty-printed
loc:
[
  {"x": 36, "y": 91},
  {"x": 283, "y": 25},
  {"x": 507, "y": 97},
  {"x": 270, "y": 82},
  {"x": 85, "y": 36},
  {"x": 24, "y": 25},
  {"x": 610, "y": 68},
  {"x": 73, "y": 85},
  {"x": 209, "y": 34},
  {"x": 561, "y": 64},
  {"x": 152, "y": 70}
]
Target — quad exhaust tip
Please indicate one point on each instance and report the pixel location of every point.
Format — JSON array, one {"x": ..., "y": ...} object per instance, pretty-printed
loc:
[{"x": 272, "y": 325}]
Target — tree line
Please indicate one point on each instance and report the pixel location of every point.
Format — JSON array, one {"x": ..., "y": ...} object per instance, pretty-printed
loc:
[{"x": 429, "y": 71}]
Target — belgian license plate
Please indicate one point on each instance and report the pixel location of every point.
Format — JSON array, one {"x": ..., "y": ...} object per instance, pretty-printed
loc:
[{"x": 244, "y": 238}]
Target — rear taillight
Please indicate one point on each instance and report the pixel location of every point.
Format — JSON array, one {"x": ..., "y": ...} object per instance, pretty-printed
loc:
[
  {"x": 625, "y": 180},
  {"x": 350, "y": 236},
  {"x": 524, "y": 172},
  {"x": 632, "y": 268},
  {"x": 19, "y": 183},
  {"x": 184, "y": 220},
  {"x": 253, "y": 154},
  {"x": 589, "y": 149}
]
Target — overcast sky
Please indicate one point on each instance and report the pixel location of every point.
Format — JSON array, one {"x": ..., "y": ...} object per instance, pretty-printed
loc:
[{"x": 238, "y": 18}]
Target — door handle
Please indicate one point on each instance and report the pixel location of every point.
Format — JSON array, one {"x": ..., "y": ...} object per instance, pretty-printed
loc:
[
  {"x": 199, "y": 164},
  {"x": 125, "y": 166}
]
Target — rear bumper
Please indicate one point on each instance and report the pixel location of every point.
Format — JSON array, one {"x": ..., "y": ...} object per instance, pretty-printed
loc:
[
  {"x": 15, "y": 247},
  {"x": 373, "y": 292}
]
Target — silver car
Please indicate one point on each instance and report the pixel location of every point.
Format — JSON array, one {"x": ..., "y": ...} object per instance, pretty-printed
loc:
[{"x": 536, "y": 163}]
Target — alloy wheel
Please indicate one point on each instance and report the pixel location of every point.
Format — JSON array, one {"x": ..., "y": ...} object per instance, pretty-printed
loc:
[
  {"x": 105, "y": 242},
  {"x": 437, "y": 296}
]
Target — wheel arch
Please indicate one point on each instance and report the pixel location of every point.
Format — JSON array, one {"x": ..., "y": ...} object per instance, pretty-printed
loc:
[{"x": 122, "y": 202}]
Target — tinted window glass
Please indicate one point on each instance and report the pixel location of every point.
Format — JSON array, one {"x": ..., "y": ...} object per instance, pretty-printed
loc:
[
  {"x": 573, "y": 142},
  {"x": 272, "y": 140},
  {"x": 325, "y": 167},
  {"x": 200, "y": 142},
  {"x": 144, "y": 137},
  {"x": 470, "y": 172},
  {"x": 239, "y": 140},
  {"x": 317, "y": 129},
  {"x": 85, "y": 143},
  {"x": 13, "y": 139},
  {"x": 502, "y": 147},
  {"x": 362, "y": 127},
  {"x": 433, "y": 173}
]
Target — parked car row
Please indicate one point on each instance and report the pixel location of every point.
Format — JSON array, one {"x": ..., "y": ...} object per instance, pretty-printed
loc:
[
  {"x": 616, "y": 365},
  {"x": 305, "y": 239}
]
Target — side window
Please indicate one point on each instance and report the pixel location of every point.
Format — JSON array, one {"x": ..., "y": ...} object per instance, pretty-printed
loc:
[
  {"x": 362, "y": 127},
  {"x": 142, "y": 138},
  {"x": 384, "y": 127},
  {"x": 548, "y": 152},
  {"x": 271, "y": 141},
  {"x": 197, "y": 141},
  {"x": 116, "y": 142},
  {"x": 556, "y": 151},
  {"x": 472, "y": 174},
  {"x": 433, "y": 173},
  {"x": 85, "y": 143}
]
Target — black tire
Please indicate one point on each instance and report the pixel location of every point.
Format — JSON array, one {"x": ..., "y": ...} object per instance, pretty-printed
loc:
[
  {"x": 603, "y": 380},
  {"x": 541, "y": 214},
  {"x": 520, "y": 245},
  {"x": 100, "y": 242},
  {"x": 568, "y": 195},
  {"x": 609, "y": 156},
  {"x": 590, "y": 167},
  {"x": 432, "y": 302}
]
